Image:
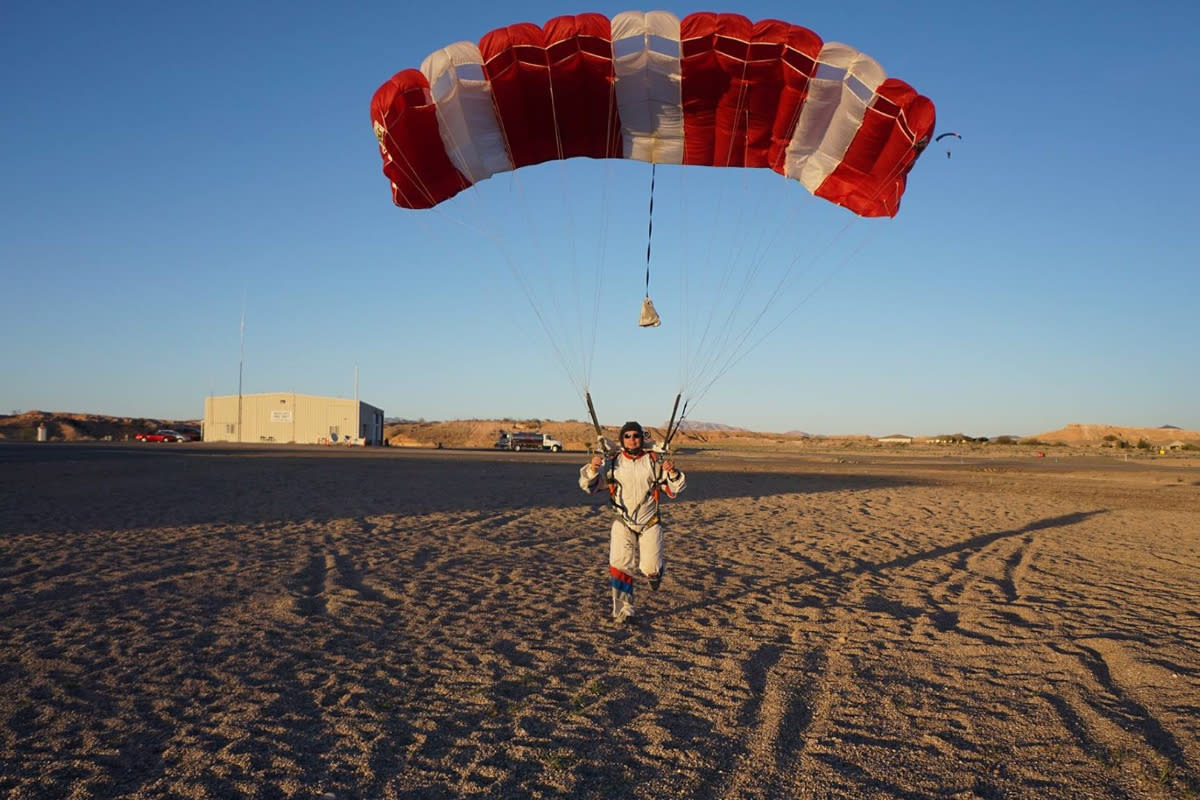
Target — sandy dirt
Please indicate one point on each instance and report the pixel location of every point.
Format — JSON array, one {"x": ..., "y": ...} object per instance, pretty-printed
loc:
[{"x": 198, "y": 621}]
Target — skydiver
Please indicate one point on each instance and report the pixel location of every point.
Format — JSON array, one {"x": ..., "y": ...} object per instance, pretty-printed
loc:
[{"x": 634, "y": 476}]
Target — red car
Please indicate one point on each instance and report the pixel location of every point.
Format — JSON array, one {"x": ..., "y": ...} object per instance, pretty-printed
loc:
[{"x": 167, "y": 435}]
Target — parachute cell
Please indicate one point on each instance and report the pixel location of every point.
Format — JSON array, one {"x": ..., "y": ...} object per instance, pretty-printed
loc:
[{"x": 710, "y": 89}]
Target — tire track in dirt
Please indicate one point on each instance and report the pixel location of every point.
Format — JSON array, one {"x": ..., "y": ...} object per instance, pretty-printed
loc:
[
  {"x": 777, "y": 719},
  {"x": 1128, "y": 712}
]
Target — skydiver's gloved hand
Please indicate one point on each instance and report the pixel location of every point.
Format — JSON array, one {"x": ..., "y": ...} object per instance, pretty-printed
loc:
[{"x": 594, "y": 466}]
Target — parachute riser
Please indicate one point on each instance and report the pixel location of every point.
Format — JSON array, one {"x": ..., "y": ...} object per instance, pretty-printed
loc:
[
  {"x": 601, "y": 445},
  {"x": 673, "y": 425}
]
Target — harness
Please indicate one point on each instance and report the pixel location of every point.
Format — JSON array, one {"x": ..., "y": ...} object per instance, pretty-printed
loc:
[{"x": 617, "y": 501}]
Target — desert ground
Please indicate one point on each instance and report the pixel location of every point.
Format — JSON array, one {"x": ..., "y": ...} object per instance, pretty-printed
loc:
[{"x": 202, "y": 621}]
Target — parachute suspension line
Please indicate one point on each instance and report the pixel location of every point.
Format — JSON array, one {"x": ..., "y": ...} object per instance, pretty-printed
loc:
[
  {"x": 818, "y": 287},
  {"x": 610, "y": 132},
  {"x": 749, "y": 260},
  {"x": 700, "y": 343},
  {"x": 730, "y": 262},
  {"x": 579, "y": 341},
  {"x": 743, "y": 91},
  {"x": 744, "y": 345},
  {"x": 685, "y": 259},
  {"x": 740, "y": 349},
  {"x": 569, "y": 313},
  {"x": 732, "y": 266},
  {"x": 568, "y": 363},
  {"x": 686, "y": 299},
  {"x": 590, "y": 340},
  {"x": 734, "y": 336},
  {"x": 746, "y": 349},
  {"x": 729, "y": 294},
  {"x": 483, "y": 210},
  {"x": 409, "y": 166},
  {"x": 599, "y": 273},
  {"x": 519, "y": 275},
  {"x": 522, "y": 281},
  {"x": 709, "y": 346},
  {"x": 842, "y": 264}
]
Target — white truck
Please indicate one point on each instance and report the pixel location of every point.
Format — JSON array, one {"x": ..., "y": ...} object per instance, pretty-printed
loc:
[{"x": 528, "y": 441}]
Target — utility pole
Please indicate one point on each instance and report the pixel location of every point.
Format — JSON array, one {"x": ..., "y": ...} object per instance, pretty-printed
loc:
[{"x": 241, "y": 361}]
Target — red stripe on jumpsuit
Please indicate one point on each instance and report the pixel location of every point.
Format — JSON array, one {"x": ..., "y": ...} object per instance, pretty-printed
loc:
[{"x": 621, "y": 581}]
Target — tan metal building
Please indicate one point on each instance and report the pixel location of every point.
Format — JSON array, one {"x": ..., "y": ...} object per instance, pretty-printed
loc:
[{"x": 290, "y": 417}]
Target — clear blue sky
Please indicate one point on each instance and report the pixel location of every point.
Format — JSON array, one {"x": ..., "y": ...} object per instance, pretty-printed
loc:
[{"x": 161, "y": 161}]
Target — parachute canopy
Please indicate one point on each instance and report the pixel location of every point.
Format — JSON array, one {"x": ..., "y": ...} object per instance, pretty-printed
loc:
[
  {"x": 710, "y": 89},
  {"x": 941, "y": 136}
]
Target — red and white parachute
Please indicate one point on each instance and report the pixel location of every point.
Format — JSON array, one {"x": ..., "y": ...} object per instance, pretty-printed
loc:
[{"x": 710, "y": 89}]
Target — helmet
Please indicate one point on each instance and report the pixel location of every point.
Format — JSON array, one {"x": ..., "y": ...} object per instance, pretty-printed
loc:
[{"x": 635, "y": 428}]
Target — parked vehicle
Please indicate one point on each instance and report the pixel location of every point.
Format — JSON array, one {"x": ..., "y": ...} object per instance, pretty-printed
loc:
[
  {"x": 162, "y": 435},
  {"x": 528, "y": 441}
]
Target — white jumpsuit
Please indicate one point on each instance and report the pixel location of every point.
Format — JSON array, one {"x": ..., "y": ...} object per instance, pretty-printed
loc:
[{"x": 636, "y": 541}]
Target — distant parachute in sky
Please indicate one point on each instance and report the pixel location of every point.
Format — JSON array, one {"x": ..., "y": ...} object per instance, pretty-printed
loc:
[
  {"x": 941, "y": 136},
  {"x": 711, "y": 89}
]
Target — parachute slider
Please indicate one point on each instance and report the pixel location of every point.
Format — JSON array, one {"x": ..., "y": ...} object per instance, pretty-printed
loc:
[{"x": 649, "y": 317}]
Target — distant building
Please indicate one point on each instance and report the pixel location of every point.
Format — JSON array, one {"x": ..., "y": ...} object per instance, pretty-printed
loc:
[
  {"x": 896, "y": 438},
  {"x": 287, "y": 417}
]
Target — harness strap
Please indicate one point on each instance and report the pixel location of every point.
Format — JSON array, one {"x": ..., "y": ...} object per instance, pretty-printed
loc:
[
  {"x": 638, "y": 530},
  {"x": 618, "y": 504}
]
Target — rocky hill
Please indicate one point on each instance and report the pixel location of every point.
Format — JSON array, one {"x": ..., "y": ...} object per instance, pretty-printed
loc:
[
  {"x": 576, "y": 435},
  {"x": 1078, "y": 434}
]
